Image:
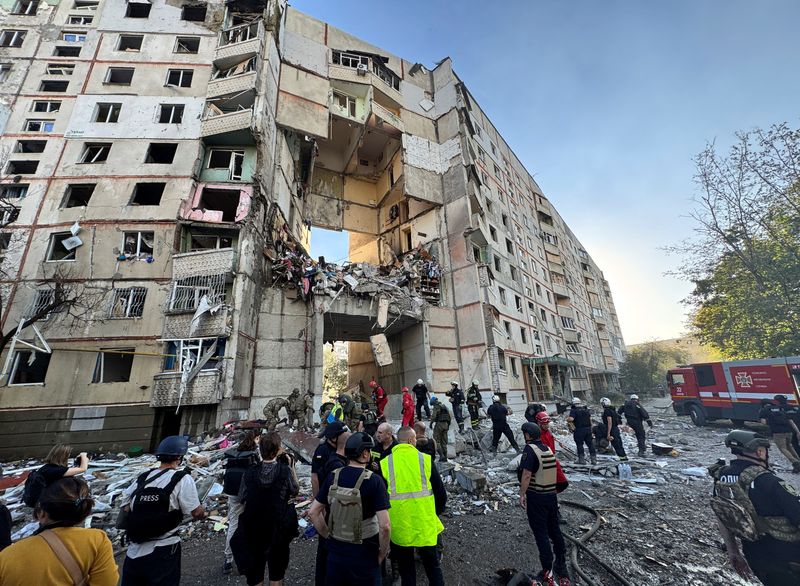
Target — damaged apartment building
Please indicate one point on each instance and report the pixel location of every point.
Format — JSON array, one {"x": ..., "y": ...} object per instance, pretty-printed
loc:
[{"x": 163, "y": 165}]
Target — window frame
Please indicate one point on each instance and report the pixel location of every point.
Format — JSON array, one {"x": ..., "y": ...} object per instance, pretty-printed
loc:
[
  {"x": 132, "y": 304},
  {"x": 53, "y": 241},
  {"x": 100, "y": 365},
  {"x": 15, "y": 364},
  {"x": 124, "y": 36},
  {"x": 172, "y": 109},
  {"x": 102, "y": 146},
  {"x": 49, "y": 103},
  {"x": 79, "y": 36},
  {"x": 44, "y": 123},
  {"x": 231, "y": 167},
  {"x": 31, "y": 9},
  {"x": 182, "y": 73},
  {"x": 181, "y": 39},
  {"x": 114, "y": 110},
  {"x": 139, "y": 235},
  {"x": 111, "y": 70},
  {"x": 17, "y": 38}
]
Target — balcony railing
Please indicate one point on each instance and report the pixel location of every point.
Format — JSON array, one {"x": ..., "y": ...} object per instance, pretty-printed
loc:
[
  {"x": 238, "y": 43},
  {"x": 202, "y": 262},
  {"x": 387, "y": 116},
  {"x": 231, "y": 85},
  {"x": 203, "y": 389},
  {"x": 561, "y": 290},
  {"x": 226, "y": 122}
]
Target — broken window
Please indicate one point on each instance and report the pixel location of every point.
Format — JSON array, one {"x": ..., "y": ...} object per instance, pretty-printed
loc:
[
  {"x": 502, "y": 293},
  {"x": 507, "y": 327},
  {"x": 53, "y": 86},
  {"x": 161, "y": 153},
  {"x": 187, "y": 293},
  {"x": 62, "y": 247},
  {"x": 193, "y": 12},
  {"x": 239, "y": 34},
  {"x": 200, "y": 241},
  {"x": 523, "y": 334},
  {"x": 238, "y": 69},
  {"x": 14, "y": 191},
  {"x": 78, "y": 195},
  {"x": 22, "y": 167},
  {"x": 30, "y": 146},
  {"x": 222, "y": 200},
  {"x": 518, "y": 303},
  {"x": 73, "y": 37},
  {"x": 568, "y": 323},
  {"x": 95, "y": 152},
  {"x": 501, "y": 360},
  {"x": 345, "y": 103},
  {"x": 5, "y": 71},
  {"x": 192, "y": 350},
  {"x": 514, "y": 371},
  {"x": 170, "y": 113},
  {"x": 39, "y": 125},
  {"x": 147, "y": 194},
  {"x": 551, "y": 239},
  {"x": 130, "y": 42},
  {"x": 119, "y": 75},
  {"x": 85, "y": 5},
  {"x": 232, "y": 160},
  {"x": 351, "y": 60},
  {"x": 137, "y": 243},
  {"x": 127, "y": 303},
  {"x": 107, "y": 113},
  {"x": 29, "y": 368},
  {"x": 180, "y": 77},
  {"x": 187, "y": 45},
  {"x": 8, "y": 214},
  {"x": 5, "y": 241},
  {"x": 113, "y": 365},
  {"x": 67, "y": 52},
  {"x": 79, "y": 19},
  {"x": 572, "y": 348},
  {"x": 138, "y": 9},
  {"x": 25, "y": 7},
  {"x": 12, "y": 38}
]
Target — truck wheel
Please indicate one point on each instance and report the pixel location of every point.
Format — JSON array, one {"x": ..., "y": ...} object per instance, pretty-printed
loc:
[
  {"x": 698, "y": 415},
  {"x": 738, "y": 423}
]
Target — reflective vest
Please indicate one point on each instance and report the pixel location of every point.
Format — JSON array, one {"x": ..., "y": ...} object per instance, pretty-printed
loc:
[
  {"x": 413, "y": 510},
  {"x": 544, "y": 480}
]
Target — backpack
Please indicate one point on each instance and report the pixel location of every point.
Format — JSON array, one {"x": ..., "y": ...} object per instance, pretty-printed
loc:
[
  {"x": 732, "y": 505},
  {"x": 34, "y": 486},
  {"x": 369, "y": 417},
  {"x": 346, "y": 519},
  {"x": 151, "y": 517}
]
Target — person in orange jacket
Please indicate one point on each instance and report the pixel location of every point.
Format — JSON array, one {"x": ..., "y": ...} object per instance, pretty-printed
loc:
[
  {"x": 408, "y": 408},
  {"x": 543, "y": 421},
  {"x": 380, "y": 398}
]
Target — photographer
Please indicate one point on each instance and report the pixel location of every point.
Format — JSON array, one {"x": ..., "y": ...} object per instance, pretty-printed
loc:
[{"x": 269, "y": 522}]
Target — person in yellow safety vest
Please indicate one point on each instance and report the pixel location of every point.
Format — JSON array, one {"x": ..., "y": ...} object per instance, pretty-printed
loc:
[{"x": 417, "y": 498}]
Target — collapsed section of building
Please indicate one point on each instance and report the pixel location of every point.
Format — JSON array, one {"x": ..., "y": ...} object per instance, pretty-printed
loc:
[{"x": 165, "y": 162}]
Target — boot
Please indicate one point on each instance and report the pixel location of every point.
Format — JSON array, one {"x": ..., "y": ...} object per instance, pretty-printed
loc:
[
  {"x": 593, "y": 459},
  {"x": 581, "y": 460},
  {"x": 560, "y": 569},
  {"x": 544, "y": 578}
]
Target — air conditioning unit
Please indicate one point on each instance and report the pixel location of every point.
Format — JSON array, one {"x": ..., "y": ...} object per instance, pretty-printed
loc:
[{"x": 362, "y": 69}]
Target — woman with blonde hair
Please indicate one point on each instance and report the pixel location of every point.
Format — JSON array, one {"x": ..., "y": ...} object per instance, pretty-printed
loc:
[{"x": 56, "y": 467}]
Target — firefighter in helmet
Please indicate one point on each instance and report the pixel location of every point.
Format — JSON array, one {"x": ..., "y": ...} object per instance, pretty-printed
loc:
[{"x": 759, "y": 509}]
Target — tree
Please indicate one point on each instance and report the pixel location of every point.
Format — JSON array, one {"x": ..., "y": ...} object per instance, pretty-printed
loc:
[
  {"x": 335, "y": 373},
  {"x": 645, "y": 368},
  {"x": 744, "y": 258}
]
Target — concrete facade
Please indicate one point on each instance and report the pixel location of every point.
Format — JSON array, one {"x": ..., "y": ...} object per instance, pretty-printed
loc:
[{"x": 183, "y": 149}]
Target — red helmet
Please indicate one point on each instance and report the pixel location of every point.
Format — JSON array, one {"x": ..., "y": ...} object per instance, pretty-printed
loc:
[
  {"x": 542, "y": 417},
  {"x": 405, "y": 389},
  {"x": 373, "y": 384}
]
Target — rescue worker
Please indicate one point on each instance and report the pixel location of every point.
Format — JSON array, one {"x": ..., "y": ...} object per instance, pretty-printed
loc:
[
  {"x": 440, "y": 418},
  {"x": 351, "y": 412},
  {"x": 425, "y": 444},
  {"x": 611, "y": 420},
  {"x": 537, "y": 495},
  {"x": 379, "y": 397},
  {"x": 337, "y": 411},
  {"x": 499, "y": 413},
  {"x": 295, "y": 409},
  {"x": 548, "y": 439},
  {"x": 271, "y": 412},
  {"x": 532, "y": 409},
  {"x": 759, "y": 508},
  {"x": 634, "y": 415},
  {"x": 369, "y": 420},
  {"x": 421, "y": 393},
  {"x": 580, "y": 422},
  {"x": 474, "y": 401},
  {"x": 782, "y": 427},
  {"x": 417, "y": 497},
  {"x": 337, "y": 459},
  {"x": 407, "y": 410},
  {"x": 457, "y": 399},
  {"x": 351, "y": 512},
  {"x": 308, "y": 401}
]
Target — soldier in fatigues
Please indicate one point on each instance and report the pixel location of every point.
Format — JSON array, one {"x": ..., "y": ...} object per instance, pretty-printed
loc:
[
  {"x": 440, "y": 417},
  {"x": 351, "y": 412},
  {"x": 271, "y": 411},
  {"x": 308, "y": 401},
  {"x": 296, "y": 408}
]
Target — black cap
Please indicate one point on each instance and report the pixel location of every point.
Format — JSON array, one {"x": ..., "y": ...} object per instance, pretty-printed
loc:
[{"x": 333, "y": 430}]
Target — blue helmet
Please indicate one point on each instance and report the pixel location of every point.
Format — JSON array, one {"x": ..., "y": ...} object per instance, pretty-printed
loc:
[
  {"x": 173, "y": 445},
  {"x": 434, "y": 399}
]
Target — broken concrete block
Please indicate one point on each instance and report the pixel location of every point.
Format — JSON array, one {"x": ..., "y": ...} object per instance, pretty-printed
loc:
[
  {"x": 381, "y": 350},
  {"x": 383, "y": 311},
  {"x": 471, "y": 480},
  {"x": 445, "y": 469}
]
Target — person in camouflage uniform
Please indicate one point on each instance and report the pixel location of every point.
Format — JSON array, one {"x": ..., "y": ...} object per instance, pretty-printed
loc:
[
  {"x": 351, "y": 411},
  {"x": 296, "y": 409},
  {"x": 308, "y": 401},
  {"x": 271, "y": 411}
]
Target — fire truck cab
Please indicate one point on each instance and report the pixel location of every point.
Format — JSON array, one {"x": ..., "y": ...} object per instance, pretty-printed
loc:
[{"x": 732, "y": 390}]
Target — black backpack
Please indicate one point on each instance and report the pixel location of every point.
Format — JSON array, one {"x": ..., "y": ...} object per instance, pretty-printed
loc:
[
  {"x": 34, "y": 486},
  {"x": 150, "y": 518}
]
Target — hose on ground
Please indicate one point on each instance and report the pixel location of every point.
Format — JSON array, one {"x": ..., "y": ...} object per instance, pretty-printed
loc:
[{"x": 580, "y": 543}]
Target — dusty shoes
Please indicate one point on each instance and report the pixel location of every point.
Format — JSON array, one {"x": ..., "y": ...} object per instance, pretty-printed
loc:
[
  {"x": 562, "y": 572},
  {"x": 544, "y": 578}
]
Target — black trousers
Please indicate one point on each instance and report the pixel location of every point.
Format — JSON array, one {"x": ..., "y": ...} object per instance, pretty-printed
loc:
[
  {"x": 474, "y": 418},
  {"x": 322, "y": 562},
  {"x": 408, "y": 567},
  {"x": 543, "y": 519},
  {"x": 583, "y": 435},
  {"x": 275, "y": 556},
  {"x": 638, "y": 428},
  {"x": 772, "y": 573},
  {"x": 422, "y": 403},
  {"x": 616, "y": 443},
  {"x": 503, "y": 429},
  {"x": 160, "y": 568}
]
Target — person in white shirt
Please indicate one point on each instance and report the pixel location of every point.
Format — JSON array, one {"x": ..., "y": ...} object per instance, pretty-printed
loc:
[{"x": 155, "y": 505}]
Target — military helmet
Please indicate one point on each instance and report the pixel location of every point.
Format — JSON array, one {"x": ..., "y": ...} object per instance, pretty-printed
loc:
[
  {"x": 173, "y": 445},
  {"x": 742, "y": 440},
  {"x": 533, "y": 430},
  {"x": 357, "y": 443}
]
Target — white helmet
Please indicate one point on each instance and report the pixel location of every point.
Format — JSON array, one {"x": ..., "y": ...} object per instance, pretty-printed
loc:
[
  {"x": 605, "y": 401},
  {"x": 476, "y": 382},
  {"x": 454, "y": 383},
  {"x": 419, "y": 381},
  {"x": 576, "y": 401},
  {"x": 496, "y": 398},
  {"x": 634, "y": 397}
]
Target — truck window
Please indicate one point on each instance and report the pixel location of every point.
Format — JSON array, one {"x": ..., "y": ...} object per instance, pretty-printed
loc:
[
  {"x": 705, "y": 375},
  {"x": 677, "y": 378}
]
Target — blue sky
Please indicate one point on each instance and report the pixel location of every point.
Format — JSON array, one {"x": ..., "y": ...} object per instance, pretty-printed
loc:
[{"x": 606, "y": 103}]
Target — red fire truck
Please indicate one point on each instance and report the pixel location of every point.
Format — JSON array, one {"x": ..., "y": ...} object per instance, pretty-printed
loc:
[{"x": 732, "y": 390}]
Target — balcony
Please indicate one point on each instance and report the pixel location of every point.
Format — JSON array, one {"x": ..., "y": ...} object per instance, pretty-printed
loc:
[
  {"x": 231, "y": 85},
  {"x": 387, "y": 116},
  {"x": 204, "y": 389},
  {"x": 551, "y": 248},
  {"x": 203, "y": 262},
  {"x": 572, "y": 336},
  {"x": 233, "y": 125},
  {"x": 555, "y": 268},
  {"x": 565, "y": 311},
  {"x": 238, "y": 43},
  {"x": 209, "y": 325},
  {"x": 561, "y": 290},
  {"x": 355, "y": 75}
]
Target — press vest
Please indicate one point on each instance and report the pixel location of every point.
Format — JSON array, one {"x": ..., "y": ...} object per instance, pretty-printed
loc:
[
  {"x": 544, "y": 480},
  {"x": 413, "y": 510}
]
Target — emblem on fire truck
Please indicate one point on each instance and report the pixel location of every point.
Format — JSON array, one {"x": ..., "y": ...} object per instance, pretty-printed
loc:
[{"x": 744, "y": 380}]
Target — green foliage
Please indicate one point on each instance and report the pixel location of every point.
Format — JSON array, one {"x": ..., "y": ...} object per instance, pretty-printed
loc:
[
  {"x": 645, "y": 368},
  {"x": 334, "y": 373}
]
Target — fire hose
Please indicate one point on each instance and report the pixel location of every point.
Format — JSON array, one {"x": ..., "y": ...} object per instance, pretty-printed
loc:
[{"x": 580, "y": 543}]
